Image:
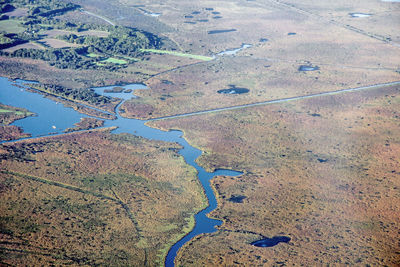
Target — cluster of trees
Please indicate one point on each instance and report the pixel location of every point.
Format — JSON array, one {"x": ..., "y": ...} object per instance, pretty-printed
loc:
[
  {"x": 5, "y": 6},
  {"x": 84, "y": 95},
  {"x": 61, "y": 58},
  {"x": 6, "y": 41},
  {"x": 121, "y": 41},
  {"x": 45, "y": 8}
]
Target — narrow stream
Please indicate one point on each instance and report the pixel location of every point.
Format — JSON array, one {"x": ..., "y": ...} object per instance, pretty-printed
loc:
[{"x": 53, "y": 118}]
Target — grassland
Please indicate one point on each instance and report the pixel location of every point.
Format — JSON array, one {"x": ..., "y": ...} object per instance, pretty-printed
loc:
[
  {"x": 94, "y": 198},
  {"x": 346, "y": 58},
  {"x": 323, "y": 171},
  {"x": 11, "y": 26},
  {"x": 178, "y": 54},
  {"x": 114, "y": 60},
  {"x": 55, "y": 43},
  {"x": 8, "y": 115},
  {"x": 29, "y": 45}
]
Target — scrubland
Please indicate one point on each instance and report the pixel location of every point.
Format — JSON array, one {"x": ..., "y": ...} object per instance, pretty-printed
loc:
[
  {"x": 323, "y": 171},
  {"x": 94, "y": 198}
]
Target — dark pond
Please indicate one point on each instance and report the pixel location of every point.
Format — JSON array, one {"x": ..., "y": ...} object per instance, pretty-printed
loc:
[
  {"x": 221, "y": 31},
  {"x": 189, "y": 17},
  {"x": 209, "y": 8},
  {"x": 167, "y": 82},
  {"x": 233, "y": 90},
  {"x": 291, "y": 33},
  {"x": 308, "y": 68},
  {"x": 270, "y": 242},
  {"x": 196, "y": 12},
  {"x": 190, "y": 22},
  {"x": 236, "y": 199},
  {"x": 322, "y": 160},
  {"x": 202, "y": 20},
  {"x": 216, "y": 13},
  {"x": 217, "y": 17},
  {"x": 263, "y": 40}
]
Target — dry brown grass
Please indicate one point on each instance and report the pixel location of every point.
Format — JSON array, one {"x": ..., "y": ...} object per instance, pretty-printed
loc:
[
  {"x": 18, "y": 12},
  {"x": 11, "y": 132},
  {"x": 94, "y": 198},
  {"x": 269, "y": 69},
  {"x": 55, "y": 43},
  {"x": 29, "y": 45},
  {"x": 323, "y": 171}
]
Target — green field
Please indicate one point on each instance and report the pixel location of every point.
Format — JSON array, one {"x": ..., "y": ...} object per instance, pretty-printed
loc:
[
  {"x": 92, "y": 55},
  {"x": 107, "y": 59},
  {"x": 15, "y": 112},
  {"x": 5, "y": 111},
  {"x": 178, "y": 54},
  {"x": 114, "y": 60},
  {"x": 11, "y": 26}
]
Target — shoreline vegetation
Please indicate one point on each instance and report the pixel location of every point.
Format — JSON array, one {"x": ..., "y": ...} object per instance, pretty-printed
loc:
[
  {"x": 8, "y": 115},
  {"x": 139, "y": 184}
]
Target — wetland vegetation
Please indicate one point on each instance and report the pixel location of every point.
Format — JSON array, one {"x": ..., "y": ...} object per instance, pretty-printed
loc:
[
  {"x": 81, "y": 189},
  {"x": 8, "y": 115},
  {"x": 97, "y": 198}
]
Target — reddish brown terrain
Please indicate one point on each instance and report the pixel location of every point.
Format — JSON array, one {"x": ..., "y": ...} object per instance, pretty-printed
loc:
[
  {"x": 94, "y": 198},
  {"x": 323, "y": 171}
]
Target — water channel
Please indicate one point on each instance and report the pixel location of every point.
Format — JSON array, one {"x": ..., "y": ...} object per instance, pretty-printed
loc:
[{"x": 53, "y": 118}]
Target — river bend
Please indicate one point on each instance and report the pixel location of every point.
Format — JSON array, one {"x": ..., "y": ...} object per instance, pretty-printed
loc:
[{"x": 53, "y": 118}]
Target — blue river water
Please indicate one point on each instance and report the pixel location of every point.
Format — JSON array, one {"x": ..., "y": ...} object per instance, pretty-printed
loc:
[{"x": 53, "y": 118}]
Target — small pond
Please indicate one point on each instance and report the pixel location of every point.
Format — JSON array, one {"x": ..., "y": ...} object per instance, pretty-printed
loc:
[
  {"x": 308, "y": 68},
  {"x": 233, "y": 90},
  {"x": 270, "y": 242},
  {"x": 236, "y": 199},
  {"x": 221, "y": 31}
]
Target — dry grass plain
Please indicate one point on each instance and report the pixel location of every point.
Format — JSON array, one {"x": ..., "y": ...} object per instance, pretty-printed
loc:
[
  {"x": 346, "y": 58},
  {"x": 323, "y": 171},
  {"x": 94, "y": 198}
]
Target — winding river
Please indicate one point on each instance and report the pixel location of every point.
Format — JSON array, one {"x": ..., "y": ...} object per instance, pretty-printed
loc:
[{"x": 53, "y": 118}]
